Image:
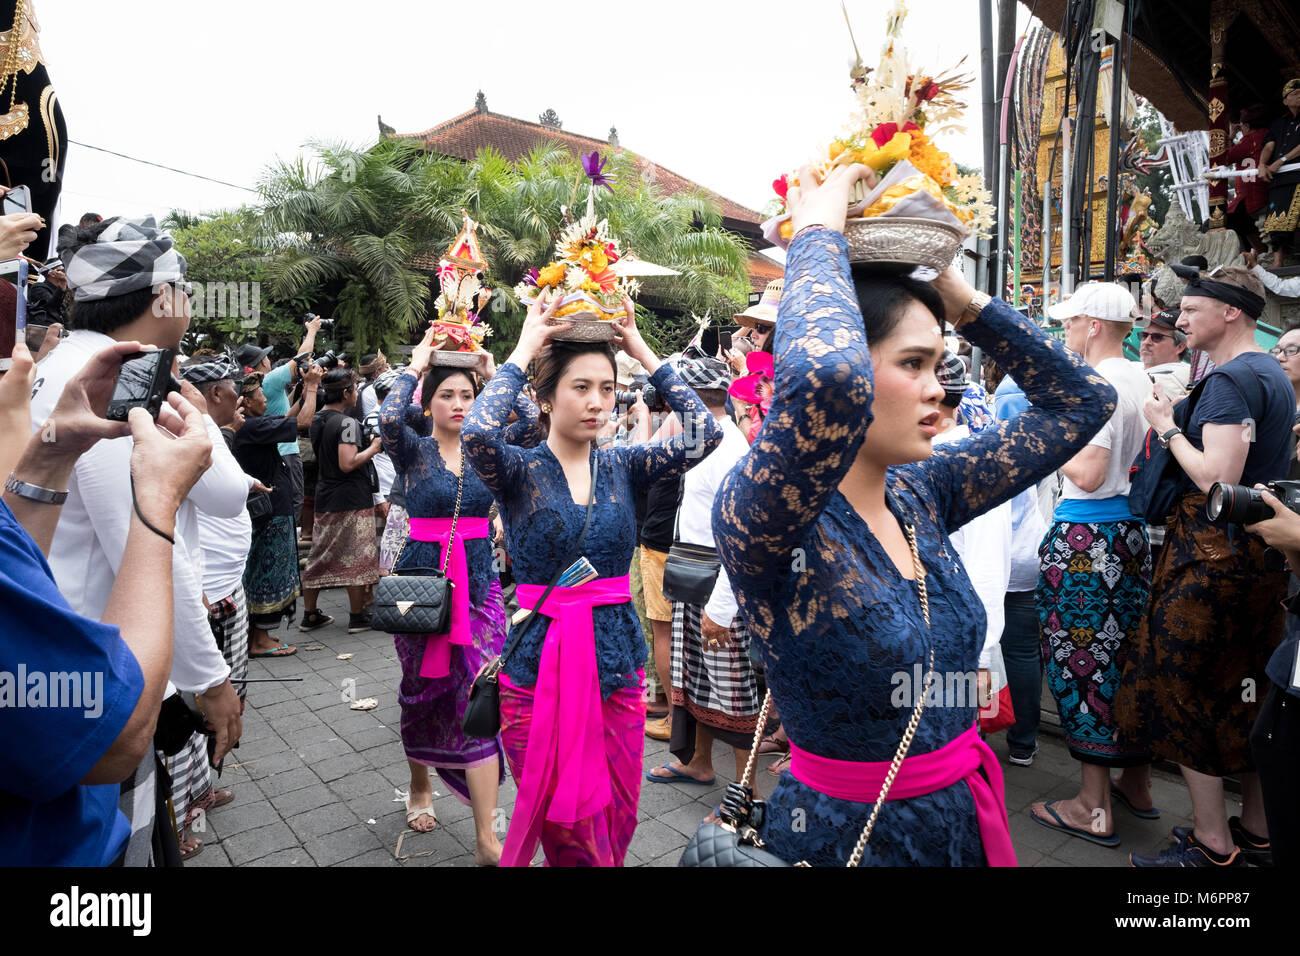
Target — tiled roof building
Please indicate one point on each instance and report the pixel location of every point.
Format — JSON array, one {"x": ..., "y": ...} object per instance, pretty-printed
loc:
[{"x": 463, "y": 136}]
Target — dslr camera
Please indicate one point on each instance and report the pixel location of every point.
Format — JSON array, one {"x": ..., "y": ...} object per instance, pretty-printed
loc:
[
  {"x": 1237, "y": 504},
  {"x": 653, "y": 400},
  {"x": 324, "y": 323},
  {"x": 329, "y": 361}
]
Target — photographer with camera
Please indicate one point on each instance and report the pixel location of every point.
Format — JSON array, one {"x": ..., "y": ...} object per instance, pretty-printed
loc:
[
  {"x": 1275, "y": 741},
  {"x": 128, "y": 284},
  {"x": 61, "y": 764},
  {"x": 1215, "y": 613},
  {"x": 275, "y": 385}
]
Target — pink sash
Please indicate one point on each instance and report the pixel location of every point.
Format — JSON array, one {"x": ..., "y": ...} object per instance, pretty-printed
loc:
[
  {"x": 437, "y": 652},
  {"x": 959, "y": 759},
  {"x": 566, "y": 774}
]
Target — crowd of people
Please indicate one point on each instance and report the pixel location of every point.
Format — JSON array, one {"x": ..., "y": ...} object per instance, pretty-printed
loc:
[{"x": 780, "y": 528}]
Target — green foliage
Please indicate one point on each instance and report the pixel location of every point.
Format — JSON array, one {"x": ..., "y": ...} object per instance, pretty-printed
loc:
[
  {"x": 227, "y": 265},
  {"x": 351, "y": 226}
]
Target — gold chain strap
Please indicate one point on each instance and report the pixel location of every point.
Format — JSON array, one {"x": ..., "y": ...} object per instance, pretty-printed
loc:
[
  {"x": 455, "y": 516},
  {"x": 910, "y": 732},
  {"x": 903, "y": 745},
  {"x": 10, "y": 69}
]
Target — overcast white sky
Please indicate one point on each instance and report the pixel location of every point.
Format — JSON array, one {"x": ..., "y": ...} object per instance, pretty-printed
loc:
[{"x": 729, "y": 94}]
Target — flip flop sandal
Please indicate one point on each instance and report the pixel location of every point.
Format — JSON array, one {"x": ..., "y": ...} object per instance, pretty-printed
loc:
[
  {"x": 770, "y": 745},
  {"x": 284, "y": 650},
  {"x": 1118, "y": 795},
  {"x": 191, "y": 849},
  {"x": 413, "y": 814},
  {"x": 677, "y": 777},
  {"x": 780, "y": 765},
  {"x": 1063, "y": 827}
]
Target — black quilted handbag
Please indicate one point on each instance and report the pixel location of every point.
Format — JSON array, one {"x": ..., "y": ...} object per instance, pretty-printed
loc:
[
  {"x": 417, "y": 600},
  {"x": 735, "y": 841}
]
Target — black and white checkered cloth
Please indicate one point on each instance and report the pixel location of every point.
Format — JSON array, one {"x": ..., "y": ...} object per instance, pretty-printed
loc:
[
  {"x": 721, "y": 680},
  {"x": 191, "y": 778},
  {"x": 222, "y": 367},
  {"x": 117, "y": 256}
]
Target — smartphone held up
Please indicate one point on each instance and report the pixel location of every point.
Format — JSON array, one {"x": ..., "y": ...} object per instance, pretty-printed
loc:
[{"x": 13, "y": 308}]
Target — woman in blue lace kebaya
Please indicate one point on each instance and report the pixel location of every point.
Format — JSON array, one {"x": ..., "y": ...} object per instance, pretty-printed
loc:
[
  {"x": 578, "y": 766},
  {"x": 810, "y": 528},
  {"x": 437, "y": 671}
]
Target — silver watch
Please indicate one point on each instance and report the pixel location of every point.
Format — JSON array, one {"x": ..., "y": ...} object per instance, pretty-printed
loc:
[{"x": 45, "y": 496}]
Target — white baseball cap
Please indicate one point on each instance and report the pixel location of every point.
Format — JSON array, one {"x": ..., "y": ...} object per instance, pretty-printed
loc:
[{"x": 1097, "y": 300}]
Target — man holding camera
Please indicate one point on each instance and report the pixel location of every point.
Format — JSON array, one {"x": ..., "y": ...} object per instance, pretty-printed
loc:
[
  {"x": 128, "y": 283},
  {"x": 275, "y": 386},
  {"x": 1188, "y": 689}
]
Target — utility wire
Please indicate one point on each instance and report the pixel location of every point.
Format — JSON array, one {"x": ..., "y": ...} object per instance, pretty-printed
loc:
[{"x": 161, "y": 166}]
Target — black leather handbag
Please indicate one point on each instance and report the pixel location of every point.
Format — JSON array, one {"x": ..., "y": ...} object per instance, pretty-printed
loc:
[
  {"x": 417, "y": 600},
  {"x": 690, "y": 572},
  {"x": 483, "y": 709},
  {"x": 735, "y": 840}
]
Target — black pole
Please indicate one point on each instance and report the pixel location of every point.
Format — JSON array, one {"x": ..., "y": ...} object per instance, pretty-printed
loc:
[
  {"x": 1117, "y": 67},
  {"x": 1006, "y": 44},
  {"x": 990, "y": 120}
]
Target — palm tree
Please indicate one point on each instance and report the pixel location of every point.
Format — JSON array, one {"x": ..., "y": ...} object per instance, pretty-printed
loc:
[{"x": 348, "y": 222}]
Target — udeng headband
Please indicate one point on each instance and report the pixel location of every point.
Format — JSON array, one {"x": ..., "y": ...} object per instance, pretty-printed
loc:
[{"x": 1233, "y": 295}]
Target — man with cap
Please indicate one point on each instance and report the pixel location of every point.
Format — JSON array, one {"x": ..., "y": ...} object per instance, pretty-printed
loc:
[
  {"x": 1215, "y": 610},
  {"x": 1282, "y": 148},
  {"x": 1161, "y": 349},
  {"x": 45, "y": 300},
  {"x": 128, "y": 284},
  {"x": 275, "y": 386},
  {"x": 1094, "y": 577}
]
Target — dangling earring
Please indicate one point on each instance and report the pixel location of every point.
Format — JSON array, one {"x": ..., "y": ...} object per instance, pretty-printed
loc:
[{"x": 546, "y": 408}]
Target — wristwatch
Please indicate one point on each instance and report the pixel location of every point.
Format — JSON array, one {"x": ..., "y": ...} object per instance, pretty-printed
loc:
[
  {"x": 975, "y": 306},
  {"x": 1167, "y": 437},
  {"x": 45, "y": 496}
]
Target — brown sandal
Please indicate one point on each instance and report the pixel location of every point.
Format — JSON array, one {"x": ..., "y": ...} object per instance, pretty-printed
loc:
[{"x": 780, "y": 765}]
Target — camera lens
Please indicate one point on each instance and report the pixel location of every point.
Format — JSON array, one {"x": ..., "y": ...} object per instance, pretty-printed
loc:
[{"x": 1235, "y": 504}]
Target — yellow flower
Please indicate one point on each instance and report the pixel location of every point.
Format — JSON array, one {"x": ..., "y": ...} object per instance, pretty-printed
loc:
[
  {"x": 931, "y": 160},
  {"x": 550, "y": 276},
  {"x": 593, "y": 258}
]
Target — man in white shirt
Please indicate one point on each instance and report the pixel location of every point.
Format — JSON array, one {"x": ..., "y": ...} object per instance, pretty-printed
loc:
[
  {"x": 714, "y": 687},
  {"x": 129, "y": 285},
  {"x": 1162, "y": 349},
  {"x": 1095, "y": 576}
]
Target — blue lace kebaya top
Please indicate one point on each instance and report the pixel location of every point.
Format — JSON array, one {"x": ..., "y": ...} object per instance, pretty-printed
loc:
[
  {"x": 839, "y": 629},
  {"x": 542, "y": 521},
  {"x": 430, "y": 486}
]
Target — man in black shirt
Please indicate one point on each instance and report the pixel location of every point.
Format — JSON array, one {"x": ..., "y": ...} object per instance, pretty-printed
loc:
[
  {"x": 344, "y": 551},
  {"x": 45, "y": 300},
  {"x": 1281, "y": 148}
]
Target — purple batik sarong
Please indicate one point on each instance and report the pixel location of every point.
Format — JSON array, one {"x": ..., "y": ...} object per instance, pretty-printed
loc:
[{"x": 432, "y": 708}]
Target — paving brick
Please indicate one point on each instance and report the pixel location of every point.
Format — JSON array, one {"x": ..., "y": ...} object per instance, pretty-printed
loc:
[
  {"x": 363, "y": 784},
  {"x": 291, "y": 722},
  {"x": 296, "y": 856},
  {"x": 372, "y": 858},
  {"x": 653, "y": 839},
  {"x": 300, "y": 801},
  {"x": 375, "y": 737},
  {"x": 272, "y": 764},
  {"x": 333, "y": 747},
  {"x": 332, "y": 768},
  {"x": 241, "y": 816},
  {"x": 322, "y": 820},
  {"x": 251, "y": 845},
  {"x": 262, "y": 746},
  {"x": 342, "y": 845},
  {"x": 288, "y": 781},
  {"x": 212, "y": 854},
  {"x": 304, "y": 737},
  {"x": 274, "y": 712},
  {"x": 686, "y": 818}
]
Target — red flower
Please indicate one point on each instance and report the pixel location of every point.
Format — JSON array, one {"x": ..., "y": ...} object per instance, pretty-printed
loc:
[
  {"x": 929, "y": 91},
  {"x": 909, "y": 127},
  {"x": 883, "y": 133},
  {"x": 781, "y": 185},
  {"x": 610, "y": 252}
]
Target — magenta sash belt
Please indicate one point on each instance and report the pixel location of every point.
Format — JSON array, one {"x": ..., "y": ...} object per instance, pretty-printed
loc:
[
  {"x": 437, "y": 652},
  {"x": 959, "y": 759},
  {"x": 566, "y": 738}
]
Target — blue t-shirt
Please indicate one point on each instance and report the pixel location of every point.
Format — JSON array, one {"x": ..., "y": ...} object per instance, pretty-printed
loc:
[
  {"x": 275, "y": 386},
  {"x": 1009, "y": 400},
  {"x": 68, "y": 686},
  {"x": 1222, "y": 403}
]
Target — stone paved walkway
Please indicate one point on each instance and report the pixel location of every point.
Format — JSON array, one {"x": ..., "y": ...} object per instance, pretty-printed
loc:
[{"x": 315, "y": 781}]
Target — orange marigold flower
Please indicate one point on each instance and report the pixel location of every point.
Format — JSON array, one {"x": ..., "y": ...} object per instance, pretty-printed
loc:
[{"x": 551, "y": 276}]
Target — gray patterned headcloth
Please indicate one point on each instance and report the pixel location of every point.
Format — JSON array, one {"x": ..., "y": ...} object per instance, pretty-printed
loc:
[
  {"x": 117, "y": 256},
  {"x": 704, "y": 372},
  {"x": 204, "y": 373}
]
